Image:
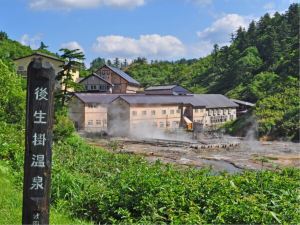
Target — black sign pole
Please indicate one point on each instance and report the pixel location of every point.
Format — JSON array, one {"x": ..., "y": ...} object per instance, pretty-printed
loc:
[{"x": 38, "y": 142}]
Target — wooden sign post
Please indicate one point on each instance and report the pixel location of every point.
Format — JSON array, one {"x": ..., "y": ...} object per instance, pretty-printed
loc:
[{"x": 38, "y": 143}]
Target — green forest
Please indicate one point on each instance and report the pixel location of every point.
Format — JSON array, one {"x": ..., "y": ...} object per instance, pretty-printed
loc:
[{"x": 92, "y": 185}]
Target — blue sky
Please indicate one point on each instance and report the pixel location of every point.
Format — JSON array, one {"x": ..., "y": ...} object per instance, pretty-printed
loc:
[{"x": 155, "y": 29}]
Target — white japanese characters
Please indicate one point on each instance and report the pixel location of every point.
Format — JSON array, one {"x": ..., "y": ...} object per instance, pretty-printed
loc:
[
  {"x": 36, "y": 219},
  {"x": 41, "y": 94},
  {"x": 39, "y": 139},
  {"x": 38, "y": 161},
  {"x": 37, "y": 183},
  {"x": 39, "y": 117}
]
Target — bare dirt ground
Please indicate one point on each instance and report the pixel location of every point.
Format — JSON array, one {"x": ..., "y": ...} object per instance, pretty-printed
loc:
[{"x": 246, "y": 155}]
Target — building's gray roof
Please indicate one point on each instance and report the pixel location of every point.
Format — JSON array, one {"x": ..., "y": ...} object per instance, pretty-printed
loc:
[
  {"x": 203, "y": 100},
  {"x": 157, "y": 99},
  {"x": 96, "y": 75},
  {"x": 43, "y": 55},
  {"x": 243, "y": 102},
  {"x": 96, "y": 98},
  {"x": 124, "y": 75},
  {"x": 215, "y": 100},
  {"x": 160, "y": 87},
  {"x": 167, "y": 89}
]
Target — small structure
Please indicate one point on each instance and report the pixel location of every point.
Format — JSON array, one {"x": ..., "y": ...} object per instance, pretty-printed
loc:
[
  {"x": 243, "y": 106},
  {"x": 23, "y": 62},
  {"x": 57, "y": 63},
  {"x": 121, "y": 81},
  {"x": 167, "y": 90}
]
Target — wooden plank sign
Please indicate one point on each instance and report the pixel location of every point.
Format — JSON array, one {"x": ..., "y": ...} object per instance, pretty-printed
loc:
[{"x": 38, "y": 142}]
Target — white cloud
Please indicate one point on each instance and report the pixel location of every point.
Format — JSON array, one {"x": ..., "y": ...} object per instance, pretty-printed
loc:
[
  {"x": 33, "y": 42},
  {"x": 72, "y": 45},
  {"x": 201, "y": 2},
  {"x": 269, "y": 6},
  {"x": 152, "y": 46},
  {"x": 79, "y": 4},
  {"x": 220, "y": 30}
]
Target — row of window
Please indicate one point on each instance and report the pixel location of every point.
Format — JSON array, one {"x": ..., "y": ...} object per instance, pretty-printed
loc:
[
  {"x": 101, "y": 87},
  {"x": 105, "y": 72},
  {"x": 220, "y": 119},
  {"x": 153, "y": 112},
  {"x": 98, "y": 122},
  {"x": 175, "y": 124},
  {"x": 219, "y": 112},
  {"x": 92, "y": 105},
  {"x": 199, "y": 110}
]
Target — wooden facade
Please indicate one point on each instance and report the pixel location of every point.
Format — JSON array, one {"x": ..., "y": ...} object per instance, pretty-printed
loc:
[{"x": 94, "y": 83}]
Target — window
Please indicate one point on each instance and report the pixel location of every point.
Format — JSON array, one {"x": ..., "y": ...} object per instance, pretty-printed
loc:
[
  {"x": 98, "y": 122},
  {"x": 178, "y": 111},
  {"x": 153, "y": 112},
  {"x": 175, "y": 124},
  {"x": 134, "y": 113},
  {"x": 161, "y": 124},
  {"x": 172, "y": 111},
  {"x": 90, "y": 122},
  {"x": 196, "y": 110},
  {"x": 168, "y": 124},
  {"x": 92, "y": 106},
  {"x": 164, "y": 112},
  {"x": 103, "y": 87},
  {"x": 93, "y": 87},
  {"x": 144, "y": 113}
]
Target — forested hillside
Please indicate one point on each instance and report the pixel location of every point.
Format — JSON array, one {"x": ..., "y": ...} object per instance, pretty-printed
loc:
[{"x": 260, "y": 65}]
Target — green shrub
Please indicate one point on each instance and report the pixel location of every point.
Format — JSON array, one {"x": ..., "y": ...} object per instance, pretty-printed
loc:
[{"x": 63, "y": 126}]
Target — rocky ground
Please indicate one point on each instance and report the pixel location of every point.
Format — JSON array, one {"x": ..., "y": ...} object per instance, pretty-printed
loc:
[{"x": 232, "y": 155}]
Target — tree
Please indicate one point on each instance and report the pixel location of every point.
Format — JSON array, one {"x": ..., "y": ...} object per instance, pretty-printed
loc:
[
  {"x": 109, "y": 62},
  {"x": 73, "y": 58},
  {"x": 117, "y": 62},
  {"x": 43, "y": 46},
  {"x": 3, "y": 36},
  {"x": 96, "y": 64}
]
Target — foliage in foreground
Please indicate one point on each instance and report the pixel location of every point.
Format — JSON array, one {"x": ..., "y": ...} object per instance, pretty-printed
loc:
[{"x": 11, "y": 201}]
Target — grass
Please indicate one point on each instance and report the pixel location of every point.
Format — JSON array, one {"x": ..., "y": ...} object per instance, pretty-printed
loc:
[{"x": 11, "y": 202}]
